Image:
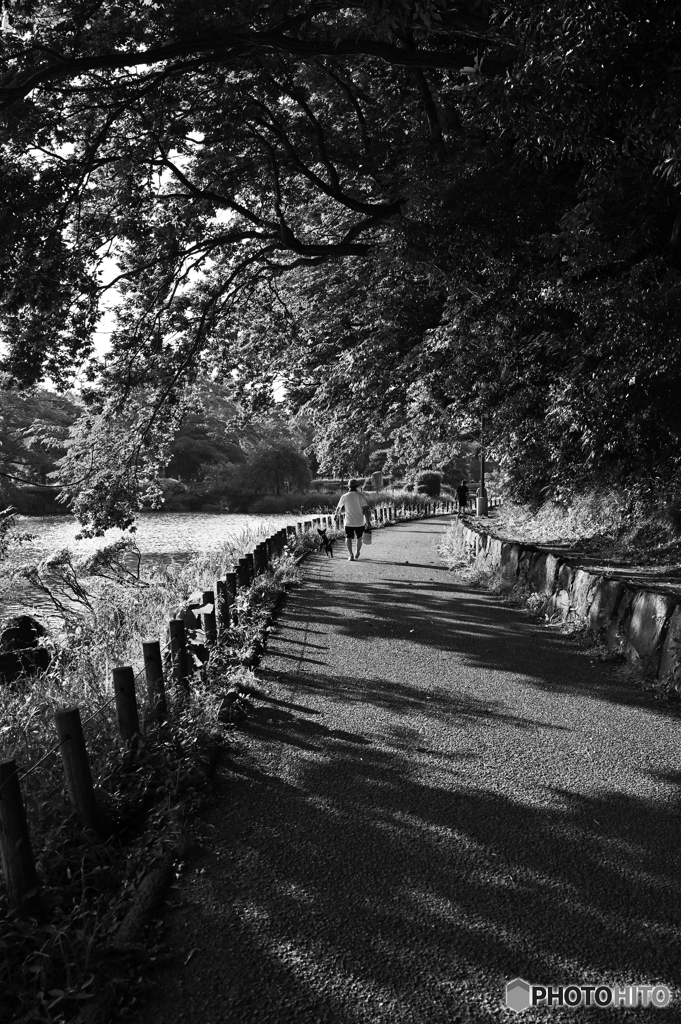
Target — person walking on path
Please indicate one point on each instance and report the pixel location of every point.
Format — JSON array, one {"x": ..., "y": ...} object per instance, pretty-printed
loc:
[
  {"x": 357, "y": 515},
  {"x": 462, "y": 496}
]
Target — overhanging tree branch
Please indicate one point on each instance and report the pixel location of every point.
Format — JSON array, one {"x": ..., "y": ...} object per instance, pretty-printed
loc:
[{"x": 233, "y": 47}]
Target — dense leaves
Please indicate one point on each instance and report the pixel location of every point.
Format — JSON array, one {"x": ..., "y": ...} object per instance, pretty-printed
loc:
[{"x": 405, "y": 214}]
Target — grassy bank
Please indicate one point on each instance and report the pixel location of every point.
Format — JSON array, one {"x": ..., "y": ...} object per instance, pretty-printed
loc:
[{"x": 611, "y": 524}]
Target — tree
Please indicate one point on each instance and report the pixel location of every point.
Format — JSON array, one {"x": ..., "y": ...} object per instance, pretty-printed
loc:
[
  {"x": 33, "y": 430},
  {"x": 409, "y": 214}
]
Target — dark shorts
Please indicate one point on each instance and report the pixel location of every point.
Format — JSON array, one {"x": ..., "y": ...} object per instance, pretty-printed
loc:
[{"x": 354, "y": 531}]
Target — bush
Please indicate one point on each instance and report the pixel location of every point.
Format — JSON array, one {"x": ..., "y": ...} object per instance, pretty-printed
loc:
[{"x": 429, "y": 483}]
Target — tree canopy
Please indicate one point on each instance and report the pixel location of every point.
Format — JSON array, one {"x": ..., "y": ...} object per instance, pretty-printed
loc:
[{"x": 407, "y": 212}]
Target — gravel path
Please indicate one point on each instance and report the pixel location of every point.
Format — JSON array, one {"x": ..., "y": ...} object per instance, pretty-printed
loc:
[{"x": 437, "y": 796}]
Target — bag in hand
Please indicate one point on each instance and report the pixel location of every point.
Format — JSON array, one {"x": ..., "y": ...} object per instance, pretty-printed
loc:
[{"x": 367, "y": 536}]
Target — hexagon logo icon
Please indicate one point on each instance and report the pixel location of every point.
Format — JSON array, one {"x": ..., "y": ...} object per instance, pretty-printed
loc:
[{"x": 518, "y": 994}]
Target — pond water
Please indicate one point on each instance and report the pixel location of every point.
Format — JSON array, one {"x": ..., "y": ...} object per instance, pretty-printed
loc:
[{"x": 159, "y": 537}]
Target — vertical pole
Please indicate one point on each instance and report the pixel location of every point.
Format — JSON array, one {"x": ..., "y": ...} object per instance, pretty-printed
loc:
[
  {"x": 178, "y": 653},
  {"x": 76, "y": 766},
  {"x": 21, "y": 876},
  {"x": 209, "y": 619},
  {"x": 221, "y": 605},
  {"x": 231, "y": 584},
  {"x": 481, "y": 504},
  {"x": 483, "y": 492},
  {"x": 242, "y": 573},
  {"x": 153, "y": 670},
  {"x": 250, "y": 564},
  {"x": 126, "y": 703}
]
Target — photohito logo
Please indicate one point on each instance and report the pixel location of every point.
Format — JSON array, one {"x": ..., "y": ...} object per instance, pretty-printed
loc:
[{"x": 520, "y": 995}]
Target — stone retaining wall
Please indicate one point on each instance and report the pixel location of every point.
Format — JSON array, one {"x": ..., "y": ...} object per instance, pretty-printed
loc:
[{"x": 644, "y": 624}]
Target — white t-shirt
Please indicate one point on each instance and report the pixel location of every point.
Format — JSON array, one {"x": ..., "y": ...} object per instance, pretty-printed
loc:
[{"x": 353, "y": 504}]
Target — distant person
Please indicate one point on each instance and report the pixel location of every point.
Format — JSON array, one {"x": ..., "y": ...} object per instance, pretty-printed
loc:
[
  {"x": 357, "y": 513},
  {"x": 462, "y": 496}
]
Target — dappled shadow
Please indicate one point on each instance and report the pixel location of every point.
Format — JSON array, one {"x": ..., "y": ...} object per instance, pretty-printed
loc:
[
  {"x": 369, "y": 887},
  {"x": 444, "y": 617}
]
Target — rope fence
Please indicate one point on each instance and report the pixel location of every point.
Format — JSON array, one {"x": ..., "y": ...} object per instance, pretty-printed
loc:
[{"x": 216, "y": 614}]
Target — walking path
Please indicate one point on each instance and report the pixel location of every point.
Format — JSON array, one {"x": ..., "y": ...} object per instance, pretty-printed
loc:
[{"x": 437, "y": 796}]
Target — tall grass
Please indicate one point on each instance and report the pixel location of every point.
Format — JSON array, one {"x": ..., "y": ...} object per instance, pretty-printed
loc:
[
  {"x": 615, "y": 523},
  {"x": 594, "y": 513}
]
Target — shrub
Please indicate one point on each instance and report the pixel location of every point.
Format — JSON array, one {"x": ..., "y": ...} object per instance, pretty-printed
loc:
[{"x": 429, "y": 483}]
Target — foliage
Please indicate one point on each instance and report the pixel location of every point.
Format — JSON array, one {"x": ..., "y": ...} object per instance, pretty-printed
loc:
[
  {"x": 405, "y": 215},
  {"x": 429, "y": 483}
]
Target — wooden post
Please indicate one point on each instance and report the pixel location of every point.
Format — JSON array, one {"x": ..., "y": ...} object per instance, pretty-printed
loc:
[
  {"x": 299, "y": 529},
  {"x": 221, "y": 606},
  {"x": 209, "y": 620},
  {"x": 126, "y": 703},
  {"x": 18, "y": 864},
  {"x": 156, "y": 690},
  {"x": 231, "y": 583},
  {"x": 76, "y": 766},
  {"x": 250, "y": 562},
  {"x": 242, "y": 574},
  {"x": 178, "y": 653},
  {"x": 290, "y": 534}
]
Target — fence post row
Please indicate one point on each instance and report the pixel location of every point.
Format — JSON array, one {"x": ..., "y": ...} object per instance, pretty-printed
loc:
[{"x": 23, "y": 889}]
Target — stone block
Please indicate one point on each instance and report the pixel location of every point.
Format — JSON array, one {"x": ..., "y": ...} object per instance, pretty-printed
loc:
[
  {"x": 558, "y": 605},
  {"x": 616, "y": 631},
  {"x": 582, "y": 592},
  {"x": 604, "y": 606},
  {"x": 510, "y": 555},
  {"x": 650, "y": 615},
  {"x": 495, "y": 552},
  {"x": 565, "y": 576},
  {"x": 670, "y": 660},
  {"x": 527, "y": 557},
  {"x": 543, "y": 572}
]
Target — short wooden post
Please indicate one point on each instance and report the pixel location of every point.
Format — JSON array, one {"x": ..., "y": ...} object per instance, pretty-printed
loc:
[
  {"x": 231, "y": 585},
  {"x": 210, "y": 628},
  {"x": 76, "y": 766},
  {"x": 250, "y": 562},
  {"x": 221, "y": 606},
  {"x": 18, "y": 864},
  {"x": 258, "y": 559},
  {"x": 178, "y": 653},
  {"x": 126, "y": 703},
  {"x": 290, "y": 534},
  {"x": 153, "y": 670},
  {"x": 299, "y": 529},
  {"x": 242, "y": 574}
]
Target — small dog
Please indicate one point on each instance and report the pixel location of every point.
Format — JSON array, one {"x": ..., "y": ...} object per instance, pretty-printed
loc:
[{"x": 325, "y": 542}]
